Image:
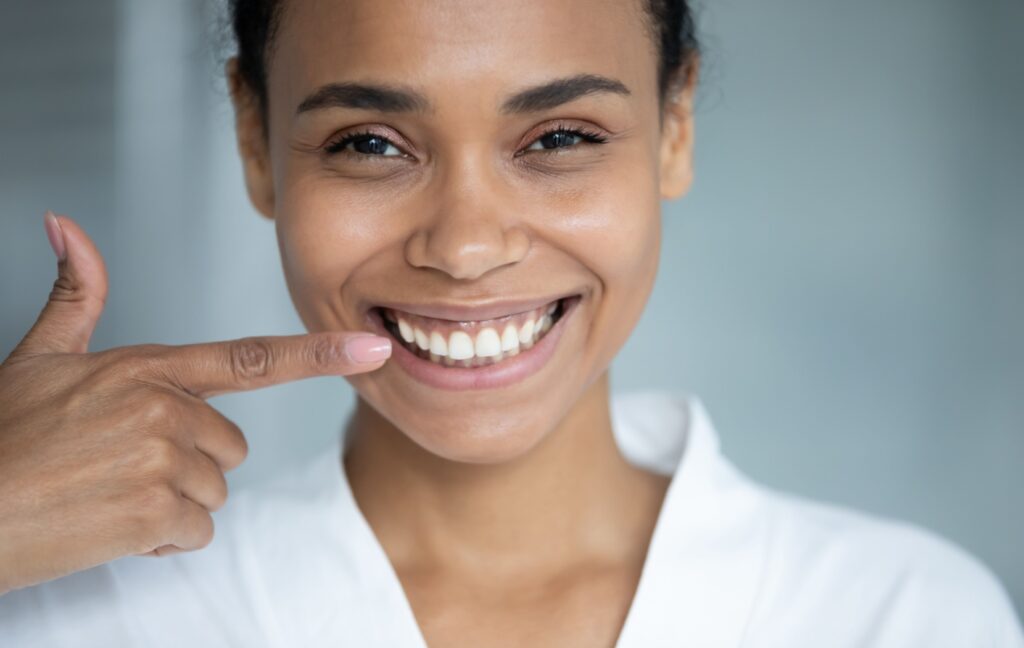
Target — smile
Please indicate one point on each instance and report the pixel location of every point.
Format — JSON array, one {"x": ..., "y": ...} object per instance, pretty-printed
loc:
[
  {"x": 471, "y": 344},
  {"x": 475, "y": 354}
]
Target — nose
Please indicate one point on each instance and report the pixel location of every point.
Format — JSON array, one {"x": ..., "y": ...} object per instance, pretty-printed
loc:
[{"x": 473, "y": 227}]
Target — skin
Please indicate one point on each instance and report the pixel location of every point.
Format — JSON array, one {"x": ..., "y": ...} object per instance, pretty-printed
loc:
[
  {"x": 509, "y": 515},
  {"x": 109, "y": 453}
]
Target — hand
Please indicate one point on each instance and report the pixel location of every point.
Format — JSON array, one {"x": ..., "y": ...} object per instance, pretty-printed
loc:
[{"x": 116, "y": 452}]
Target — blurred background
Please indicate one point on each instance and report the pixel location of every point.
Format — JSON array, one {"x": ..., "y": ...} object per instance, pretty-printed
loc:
[{"x": 843, "y": 287}]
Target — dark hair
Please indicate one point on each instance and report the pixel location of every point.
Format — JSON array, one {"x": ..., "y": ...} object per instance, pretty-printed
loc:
[{"x": 670, "y": 23}]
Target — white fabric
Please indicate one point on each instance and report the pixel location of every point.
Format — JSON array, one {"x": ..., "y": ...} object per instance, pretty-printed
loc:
[{"x": 731, "y": 563}]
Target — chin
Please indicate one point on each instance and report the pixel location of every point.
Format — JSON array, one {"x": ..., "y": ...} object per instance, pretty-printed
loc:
[
  {"x": 480, "y": 427},
  {"x": 493, "y": 439}
]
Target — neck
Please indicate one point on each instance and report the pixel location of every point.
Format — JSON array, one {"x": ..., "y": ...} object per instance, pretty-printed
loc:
[{"x": 572, "y": 497}]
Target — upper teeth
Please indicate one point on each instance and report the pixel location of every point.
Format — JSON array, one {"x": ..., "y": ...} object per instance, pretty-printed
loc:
[
  {"x": 487, "y": 343},
  {"x": 501, "y": 340},
  {"x": 509, "y": 338},
  {"x": 459, "y": 344},
  {"x": 438, "y": 345}
]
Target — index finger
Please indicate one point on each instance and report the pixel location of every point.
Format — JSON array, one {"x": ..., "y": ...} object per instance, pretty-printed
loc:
[{"x": 208, "y": 369}]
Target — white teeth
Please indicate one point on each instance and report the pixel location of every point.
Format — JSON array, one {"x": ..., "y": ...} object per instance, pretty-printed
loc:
[
  {"x": 405, "y": 330},
  {"x": 509, "y": 338},
  {"x": 422, "y": 341},
  {"x": 487, "y": 343},
  {"x": 460, "y": 346},
  {"x": 438, "y": 346},
  {"x": 543, "y": 324},
  {"x": 526, "y": 332}
]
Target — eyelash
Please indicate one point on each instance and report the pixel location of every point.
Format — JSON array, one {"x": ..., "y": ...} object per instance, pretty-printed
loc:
[{"x": 338, "y": 146}]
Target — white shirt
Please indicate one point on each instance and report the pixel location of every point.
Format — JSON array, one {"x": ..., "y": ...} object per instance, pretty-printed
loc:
[{"x": 293, "y": 563}]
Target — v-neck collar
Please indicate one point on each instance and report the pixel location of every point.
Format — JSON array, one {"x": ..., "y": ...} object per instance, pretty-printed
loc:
[
  {"x": 698, "y": 581},
  {"x": 383, "y": 615}
]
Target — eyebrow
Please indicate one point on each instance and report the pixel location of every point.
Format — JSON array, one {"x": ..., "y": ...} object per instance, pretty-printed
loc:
[
  {"x": 560, "y": 91},
  {"x": 366, "y": 96},
  {"x": 397, "y": 99}
]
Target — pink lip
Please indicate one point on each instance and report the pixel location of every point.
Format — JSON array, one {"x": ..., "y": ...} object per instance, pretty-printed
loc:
[
  {"x": 464, "y": 313},
  {"x": 501, "y": 374}
]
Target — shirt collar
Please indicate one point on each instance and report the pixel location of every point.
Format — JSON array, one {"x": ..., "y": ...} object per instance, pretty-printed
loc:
[
  {"x": 708, "y": 550},
  {"x": 699, "y": 579}
]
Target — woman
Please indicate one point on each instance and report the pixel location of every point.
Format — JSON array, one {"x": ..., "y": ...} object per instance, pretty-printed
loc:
[{"x": 466, "y": 197}]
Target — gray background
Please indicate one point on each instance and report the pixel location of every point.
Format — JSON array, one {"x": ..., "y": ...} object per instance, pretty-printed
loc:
[{"x": 842, "y": 287}]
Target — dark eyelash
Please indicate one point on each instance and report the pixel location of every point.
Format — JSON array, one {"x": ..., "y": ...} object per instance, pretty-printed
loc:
[
  {"x": 588, "y": 136},
  {"x": 339, "y": 146}
]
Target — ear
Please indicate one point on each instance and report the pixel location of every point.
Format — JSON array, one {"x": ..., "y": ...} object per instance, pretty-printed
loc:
[
  {"x": 677, "y": 135},
  {"x": 252, "y": 141}
]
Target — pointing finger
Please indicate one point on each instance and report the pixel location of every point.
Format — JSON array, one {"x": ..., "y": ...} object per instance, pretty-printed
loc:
[{"x": 212, "y": 368}]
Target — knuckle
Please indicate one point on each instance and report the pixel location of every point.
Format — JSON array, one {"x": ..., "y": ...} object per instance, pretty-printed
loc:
[
  {"x": 159, "y": 500},
  {"x": 160, "y": 408},
  {"x": 220, "y": 494},
  {"x": 239, "y": 451},
  {"x": 243, "y": 448},
  {"x": 122, "y": 365},
  {"x": 161, "y": 457},
  {"x": 326, "y": 352},
  {"x": 250, "y": 358},
  {"x": 156, "y": 511},
  {"x": 205, "y": 534},
  {"x": 64, "y": 288}
]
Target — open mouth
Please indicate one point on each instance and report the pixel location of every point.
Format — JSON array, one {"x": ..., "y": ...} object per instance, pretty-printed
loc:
[{"x": 472, "y": 344}]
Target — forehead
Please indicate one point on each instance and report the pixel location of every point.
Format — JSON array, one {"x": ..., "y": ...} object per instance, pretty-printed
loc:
[{"x": 487, "y": 46}]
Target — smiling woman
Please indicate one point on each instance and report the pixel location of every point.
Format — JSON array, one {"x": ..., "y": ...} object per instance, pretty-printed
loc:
[
  {"x": 480, "y": 183},
  {"x": 469, "y": 182}
]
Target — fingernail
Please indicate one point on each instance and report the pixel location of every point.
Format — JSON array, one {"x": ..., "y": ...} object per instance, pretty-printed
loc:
[
  {"x": 368, "y": 348},
  {"x": 55, "y": 235}
]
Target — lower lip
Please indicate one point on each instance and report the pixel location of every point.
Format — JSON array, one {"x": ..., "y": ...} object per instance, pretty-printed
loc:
[{"x": 500, "y": 374}]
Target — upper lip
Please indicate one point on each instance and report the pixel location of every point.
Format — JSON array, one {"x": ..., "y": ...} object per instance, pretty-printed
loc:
[{"x": 471, "y": 312}]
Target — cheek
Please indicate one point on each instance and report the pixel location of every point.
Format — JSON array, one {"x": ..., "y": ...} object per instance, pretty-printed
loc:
[
  {"x": 612, "y": 224},
  {"x": 607, "y": 207},
  {"x": 325, "y": 234},
  {"x": 614, "y": 228}
]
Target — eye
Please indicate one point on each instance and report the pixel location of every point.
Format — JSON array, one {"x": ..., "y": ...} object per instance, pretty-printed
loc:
[
  {"x": 364, "y": 144},
  {"x": 564, "y": 137},
  {"x": 367, "y": 144}
]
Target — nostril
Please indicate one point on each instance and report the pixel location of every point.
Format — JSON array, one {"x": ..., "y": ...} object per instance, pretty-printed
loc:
[{"x": 467, "y": 248}]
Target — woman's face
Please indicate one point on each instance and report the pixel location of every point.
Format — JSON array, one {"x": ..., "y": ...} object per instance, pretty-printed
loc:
[{"x": 465, "y": 202}]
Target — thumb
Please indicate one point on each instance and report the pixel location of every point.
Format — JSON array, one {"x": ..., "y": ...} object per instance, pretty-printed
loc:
[{"x": 78, "y": 295}]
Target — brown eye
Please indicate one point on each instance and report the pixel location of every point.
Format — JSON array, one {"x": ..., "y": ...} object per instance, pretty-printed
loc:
[
  {"x": 560, "y": 138},
  {"x": 364, "y": 144}
]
